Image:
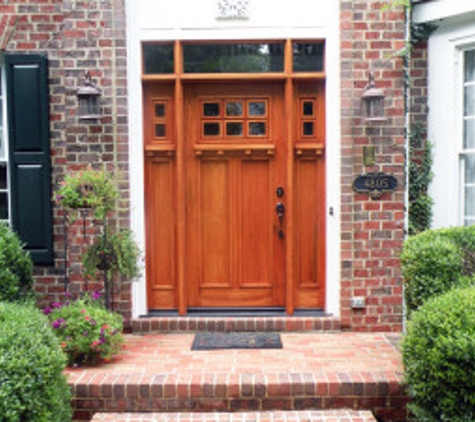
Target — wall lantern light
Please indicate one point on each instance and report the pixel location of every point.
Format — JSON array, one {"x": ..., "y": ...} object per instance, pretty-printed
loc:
[
  {"x": 373, "y": 102},
  {"x": 89, "y": 95}
]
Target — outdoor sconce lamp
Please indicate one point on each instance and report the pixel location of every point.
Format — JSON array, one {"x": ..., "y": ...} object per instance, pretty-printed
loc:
[
  {"x": 89, "y": 95},
  {"x": 373, "y": 102}
]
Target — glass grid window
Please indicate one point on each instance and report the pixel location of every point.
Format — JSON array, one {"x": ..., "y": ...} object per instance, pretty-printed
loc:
[
  {"x": 468, "y": 148},
  {"x": 4, "y": 182}
]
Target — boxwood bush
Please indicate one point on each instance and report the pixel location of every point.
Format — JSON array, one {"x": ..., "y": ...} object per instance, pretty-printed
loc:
[
  {"x": 32, "y": 386},
  {"x": 16, "y": 268},
  {"x": 435, "y": 261},
  {"x": 439, "y": 358}
]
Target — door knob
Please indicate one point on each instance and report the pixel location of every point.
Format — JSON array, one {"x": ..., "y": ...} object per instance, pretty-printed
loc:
[{"x": 280, "y": 210}]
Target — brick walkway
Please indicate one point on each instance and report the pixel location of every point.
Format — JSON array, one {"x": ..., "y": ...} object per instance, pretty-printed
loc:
[{"x": 159, "y": 373}]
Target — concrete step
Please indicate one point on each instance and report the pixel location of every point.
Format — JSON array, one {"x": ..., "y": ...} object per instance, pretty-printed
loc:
[
  {"x": 166, "y": 324},
  {"x": 279, "y": 416}
]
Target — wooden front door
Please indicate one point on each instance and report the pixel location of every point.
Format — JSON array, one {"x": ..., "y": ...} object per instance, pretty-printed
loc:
[
  {"x": 235, "y": 161},
  {"x": 235, "y": 195}
]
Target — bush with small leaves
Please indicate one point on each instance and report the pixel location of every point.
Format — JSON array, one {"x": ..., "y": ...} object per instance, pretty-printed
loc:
[
  {"x": 32, "y": 385},
  {"x": 439, "y": 358},
  {"x": 436, "y": 261},
  {"x": 16, "y": 267}
]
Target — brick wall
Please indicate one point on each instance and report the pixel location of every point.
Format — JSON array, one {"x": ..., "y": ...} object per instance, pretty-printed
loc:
[
  {"x": 372, "y": 230},
  {"x": 77, "y": 36}
]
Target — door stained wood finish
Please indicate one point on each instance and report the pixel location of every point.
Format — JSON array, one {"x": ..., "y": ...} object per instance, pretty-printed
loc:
[
  {"x": 234, "y": 152},
  {"x": 238, "y": 144}
]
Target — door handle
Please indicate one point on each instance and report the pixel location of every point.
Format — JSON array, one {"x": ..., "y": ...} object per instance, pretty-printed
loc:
[{"x": 280, "y": 210}]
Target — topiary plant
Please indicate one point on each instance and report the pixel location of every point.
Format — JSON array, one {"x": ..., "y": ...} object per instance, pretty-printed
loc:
[
  {"x": 32, "y": 385},
  {"x": 16, "y": 267},
  {"x": 439, "y": 358}
]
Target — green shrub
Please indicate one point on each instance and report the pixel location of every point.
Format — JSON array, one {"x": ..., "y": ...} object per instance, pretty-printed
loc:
[
  {"x": 16, "y": 267},
  {"x": 32, "y": 386},
  {"x": 86, "y": 331},
  {"x": 435, "y": 261},
  {"x": 439, "y": 358}
]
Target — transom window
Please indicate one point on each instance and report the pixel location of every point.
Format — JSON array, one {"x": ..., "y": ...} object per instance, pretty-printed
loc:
[
  {"x": 233, "y": 57},
  {"x": 4, "y": 183},
  {"x": 234, "y": 118}
]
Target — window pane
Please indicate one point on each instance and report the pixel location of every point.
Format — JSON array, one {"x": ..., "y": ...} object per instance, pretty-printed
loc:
[
  {"x": 3, "y": 206},
  {"x": 211, "y": 109},
  {"x": 308, "y": 57},
  {"x": 234, "y": 129},
  {"x": 233, "y": 58},
  {"x": 469, "y": 134},
  {"x": 469, "y": 161},
  {"x": 257, "y": 108},
  {"x": 469, "y": 100},
  {"x": 159, "y": 110},
  {"x": 470, "y": 201},
  {"x": 157, "y": 58},
  {"x": 234, "y": 109},
  {"x": 211, "y": 129},
  {"x": 257, "y": 129},
  {"x": 160, "y": 130},
  {"x": 470, "y": 66},
  {"x": 3, "y": 176}
]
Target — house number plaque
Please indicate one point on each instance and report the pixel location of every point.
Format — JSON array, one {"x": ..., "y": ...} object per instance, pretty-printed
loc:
[{"x": 375, "y": 184}]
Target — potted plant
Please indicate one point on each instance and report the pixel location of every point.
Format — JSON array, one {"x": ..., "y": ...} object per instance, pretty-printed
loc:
[
  {"x": 114, "y": 252},
  {"x": 94, "y": 189}
]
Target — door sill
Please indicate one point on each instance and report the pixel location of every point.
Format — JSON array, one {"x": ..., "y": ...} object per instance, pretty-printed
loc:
[{"x": 237, "y": 312}]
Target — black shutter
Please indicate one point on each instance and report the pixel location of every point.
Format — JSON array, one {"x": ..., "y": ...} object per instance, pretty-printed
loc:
[{"x": 30, "y": 171}]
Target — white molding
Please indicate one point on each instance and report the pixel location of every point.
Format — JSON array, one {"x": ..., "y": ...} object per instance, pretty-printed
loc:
[
  {"x": 319, "y": 19},
  {"x": 443, "y": 9}
]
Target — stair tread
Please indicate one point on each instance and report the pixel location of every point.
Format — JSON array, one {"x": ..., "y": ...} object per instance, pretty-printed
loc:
[{"x": 269, "y": 416}]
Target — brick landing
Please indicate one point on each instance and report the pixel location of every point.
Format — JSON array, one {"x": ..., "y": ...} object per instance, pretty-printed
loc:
[
  {"x": 159, "y": 373},
  {"x": 304, "y": 416}
]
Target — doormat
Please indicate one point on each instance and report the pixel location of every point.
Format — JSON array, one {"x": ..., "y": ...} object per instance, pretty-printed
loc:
[{"x": 215, "y": 341}]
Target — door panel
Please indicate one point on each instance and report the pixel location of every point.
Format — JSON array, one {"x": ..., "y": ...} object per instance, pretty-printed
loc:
[{"x": 235, "y": 160}]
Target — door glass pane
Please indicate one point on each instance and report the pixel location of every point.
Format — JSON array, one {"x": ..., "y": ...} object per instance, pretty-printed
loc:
[
  {"x": 3, "y": 206},
  {"x": 308, "y": 128},
  {"x": 211, "y": 129},
  {"x": 307, "y": 108},
  {"x": 211, "y": 109},
  {"x": 469, "y": 134},
  {"x": 160, "y": 130},
  {"x": 159, "y": 110},
  {"x": 234, "y": 109},
  {"x": 157, "y": 58},
  {"x": 3, "y": 176},
  {"x": 257, "y": 129},
  {"x": 234, "y": 129},
  {"x": 257, "y": 108},
  {"x": 470, "y": 66},
  {"x": 233, "y": 58},
  {"x": 469, "y": 100},
  {"x": 308, "y": 57}
]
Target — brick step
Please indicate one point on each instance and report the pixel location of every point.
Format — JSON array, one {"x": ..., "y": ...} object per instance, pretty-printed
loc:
[
  {"x": 279, "y": 416},
  {"x": 316, "y": 371},
  {"x": 166, "y": 324}
]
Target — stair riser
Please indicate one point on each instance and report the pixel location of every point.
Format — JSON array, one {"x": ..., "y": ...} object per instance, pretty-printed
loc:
[
  {"x": 232, "y": 324},
  {"x": 386, "y": 400}
]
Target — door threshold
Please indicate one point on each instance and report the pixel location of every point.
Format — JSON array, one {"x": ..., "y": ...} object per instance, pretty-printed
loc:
[{"x": 237, "y": 312}]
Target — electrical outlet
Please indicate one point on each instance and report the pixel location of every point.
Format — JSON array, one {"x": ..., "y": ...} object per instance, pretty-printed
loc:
[{"x": 357, "y": 302}]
